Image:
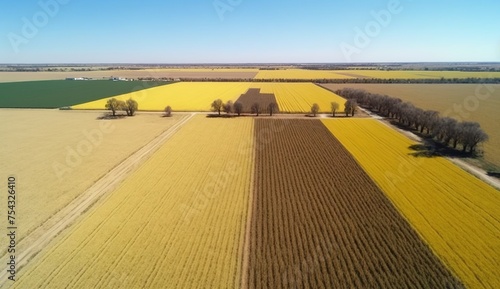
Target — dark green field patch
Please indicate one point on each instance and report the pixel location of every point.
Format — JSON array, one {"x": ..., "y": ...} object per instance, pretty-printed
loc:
[{"x": 61, "y": 93}]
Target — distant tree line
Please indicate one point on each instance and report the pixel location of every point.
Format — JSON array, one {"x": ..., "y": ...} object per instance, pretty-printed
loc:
[
  {"x": 403, "y": 68},
  {"x": 470, "y": 80},
  {"x": 445, "y": 130}
]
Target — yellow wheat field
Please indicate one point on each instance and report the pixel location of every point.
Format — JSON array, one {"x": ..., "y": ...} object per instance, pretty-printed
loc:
[
  {"x": 176, "y": 222},
  {"x": 301, "y": 74},
  {"x": 456, "y": 214},
  {"x": 57, "y": 155},
  {"x": 465, "y": 102},
  {"x": 197, "y": 96},
  {"x": 299, "y": 97},
  {"x": 184, "y": 96},
  {"x": 417, "y": 74}
]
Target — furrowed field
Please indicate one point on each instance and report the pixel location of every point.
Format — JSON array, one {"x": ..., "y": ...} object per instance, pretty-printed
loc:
[
  {"x": 57, "y": 155},
  {"x": 197, "y": 96},
  {"x": 177, "y": 222},
  {"x": 59, "y": 93},
  {"x": 319, "y": 221},
  {"x": 467, "y": 102},
  {"x": 288, "y": 201},
  {"x": 455, "y": 213}
]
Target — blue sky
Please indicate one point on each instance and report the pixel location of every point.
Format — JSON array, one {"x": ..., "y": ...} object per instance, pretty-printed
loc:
[{"x": 248, "y": 31}]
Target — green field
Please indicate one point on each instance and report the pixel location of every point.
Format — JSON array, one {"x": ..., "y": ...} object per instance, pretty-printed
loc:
[{"x": 61, "y": 93}]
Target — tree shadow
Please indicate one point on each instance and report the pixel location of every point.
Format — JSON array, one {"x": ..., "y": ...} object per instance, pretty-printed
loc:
[
  {"x": 221, "y": 116},
  {"x": 111, "y": 117},
  {"x": 494, "y": 174},
  {"x": 430, "y": 149},
  {"x": 338, "y": 116}
]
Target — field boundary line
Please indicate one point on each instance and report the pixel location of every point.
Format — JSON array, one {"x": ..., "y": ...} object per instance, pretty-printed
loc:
[
  {"x": 248, "y": 226},
  {"x": 103, "y": 186}
]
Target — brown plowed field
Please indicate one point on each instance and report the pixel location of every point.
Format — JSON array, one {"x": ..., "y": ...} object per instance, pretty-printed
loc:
[
  {"x": 319, "y": 221},
  {"x": 252, "y": 96}
]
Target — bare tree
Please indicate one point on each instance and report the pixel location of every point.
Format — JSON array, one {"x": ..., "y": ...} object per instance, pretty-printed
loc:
[
  {"x": 131, "y": 107},
  {"x": 472, "y": 135},
  {"x": 314, "y": 109},
  {"x": 348, "y": 107},
  {"x": 429, "y": 120},
  {"x": 228, "y": 107},
  {"x": 238, "y": 107},
  {"x": 113, "y": 104},
  {"x": 445, "y": 130},
  {"x": 217, "y": 105},
  {"x": 354, "y": 107},
  {"x": 272, "y": 108},
  {"x": 168, "y": 111},
  {"x": 334, "y": 107},
  {"x": 255, "y": 108}
]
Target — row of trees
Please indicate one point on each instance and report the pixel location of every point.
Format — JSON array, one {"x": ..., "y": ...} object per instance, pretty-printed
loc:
[
  {"x": 446, "y": 130},
  {"x": 130, "y": 106},
  {"x": 229, "y": 107},
  {"x": 350, "y": 107}
]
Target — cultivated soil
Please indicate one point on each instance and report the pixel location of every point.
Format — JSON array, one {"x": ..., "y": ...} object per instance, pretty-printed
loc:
[{"x": 319, "y": 221}]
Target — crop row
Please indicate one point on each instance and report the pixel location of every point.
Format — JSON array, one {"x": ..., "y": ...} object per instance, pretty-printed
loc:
[
  {"x": 457, "y": 214},
  {"x": 319, "y": 221},
  {"x": 177, "y": 222}
]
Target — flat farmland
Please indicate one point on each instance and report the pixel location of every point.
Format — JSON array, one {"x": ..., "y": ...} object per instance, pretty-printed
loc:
[
  {"x": 210, "y": 73},
  {"x": 319, "y": 221},
  {"x": 197, "y": 96},
  {"x": 183, "y": 96},
  {"x": 301, "y": 74},
  {"x": 242, "y": 73},
  {"x": 56, "y": 155},
  {"x": 177, "y": 222},
  {"x": 455, "y": 213},
  {"x": 142, "y": 73},
  {"x": 59, "y": 93},
  {"x": 299, "y": 97},
  {"x": 467, "y": 102},
  {"x": 416, "y": 74},
  {"x": 377, "y": 74}
]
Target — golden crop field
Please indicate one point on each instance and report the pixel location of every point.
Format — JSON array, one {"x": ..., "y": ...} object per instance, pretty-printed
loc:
[
  {"x": 456, "y": 214},
  {"x": 416, "y": 74},
  {"x": 466, "y": 102},
  {"x": 183, "y": 96},
  {"x": 302, "y": 74},
  {"x": 299, "y": 97},
  {"x": 243, "y": 73},
  {"x": 177, "y": 222},
  {"x": 197, "y": 96},
  {"x": 56, "y": 155}
]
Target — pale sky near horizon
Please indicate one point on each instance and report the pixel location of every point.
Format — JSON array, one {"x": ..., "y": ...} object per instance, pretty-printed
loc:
[{"x": 248, "y": 31}]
